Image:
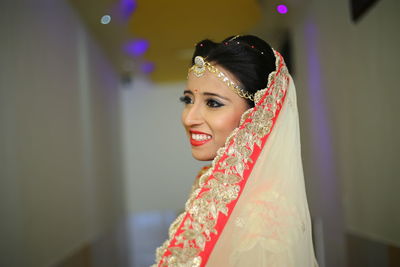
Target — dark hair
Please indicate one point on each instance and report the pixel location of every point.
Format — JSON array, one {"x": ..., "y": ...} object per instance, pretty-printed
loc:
[{"x": 249, "y": 58}]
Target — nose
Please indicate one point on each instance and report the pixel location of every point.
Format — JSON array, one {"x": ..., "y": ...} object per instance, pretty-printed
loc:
[{"x": 191, "y": 116}]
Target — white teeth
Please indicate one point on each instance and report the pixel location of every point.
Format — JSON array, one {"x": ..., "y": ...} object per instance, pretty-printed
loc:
[{"x": 200, "y": 137}]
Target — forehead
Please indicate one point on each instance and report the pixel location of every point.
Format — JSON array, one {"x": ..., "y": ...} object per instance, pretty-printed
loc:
[{"x": 209, "y": 82}]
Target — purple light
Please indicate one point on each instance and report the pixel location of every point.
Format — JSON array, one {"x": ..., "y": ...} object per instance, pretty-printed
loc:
[
  {"x": 136, "y": 47},
  {"x": 282, "y": 9},
  {"x": 147, "y": 67},
  {"x": 127, "y": 7}
]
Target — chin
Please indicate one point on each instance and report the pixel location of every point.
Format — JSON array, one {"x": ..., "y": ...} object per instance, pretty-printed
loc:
[{"x": 203, "y": 156}]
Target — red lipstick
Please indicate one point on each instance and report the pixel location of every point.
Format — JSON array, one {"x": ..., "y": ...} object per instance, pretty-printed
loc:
[{"x": 196, "y": 141}]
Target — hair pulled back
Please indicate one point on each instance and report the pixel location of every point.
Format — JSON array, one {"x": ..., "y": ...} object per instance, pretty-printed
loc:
[{"x": 247, "y": 57}]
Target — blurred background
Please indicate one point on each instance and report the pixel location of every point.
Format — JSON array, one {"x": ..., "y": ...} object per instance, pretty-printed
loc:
[{"x": 94, "y": 163}]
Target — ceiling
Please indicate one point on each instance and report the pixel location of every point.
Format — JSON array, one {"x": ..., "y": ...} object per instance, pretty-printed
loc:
[{"x": 172, "y": 28}]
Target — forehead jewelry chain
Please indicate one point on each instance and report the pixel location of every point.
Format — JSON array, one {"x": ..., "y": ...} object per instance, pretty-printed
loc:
[{"x": 201, "y": 65}]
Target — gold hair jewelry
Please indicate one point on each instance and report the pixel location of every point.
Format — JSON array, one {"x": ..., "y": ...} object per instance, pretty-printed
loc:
[
  {"x": 201, "y": 65},
  {"x": 234, "y": 37}
]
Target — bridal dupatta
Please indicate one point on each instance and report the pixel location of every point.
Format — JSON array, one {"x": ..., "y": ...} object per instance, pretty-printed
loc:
[{"x": 250, "y": 208}]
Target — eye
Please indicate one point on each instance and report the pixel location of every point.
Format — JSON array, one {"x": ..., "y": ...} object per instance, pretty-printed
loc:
[
  {"x": 186, "y": 100},
  {"x": 212, "y": 103}
]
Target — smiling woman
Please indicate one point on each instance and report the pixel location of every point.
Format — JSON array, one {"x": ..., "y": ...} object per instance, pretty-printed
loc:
[
  {"x": 249, "y": 208},
  {"x": 211, "y": 113}
]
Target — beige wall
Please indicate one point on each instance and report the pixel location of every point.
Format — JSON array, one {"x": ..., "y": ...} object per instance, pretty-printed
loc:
[
  {"x": 347, "y": 78},
  {"x": 60, "y": 181}
]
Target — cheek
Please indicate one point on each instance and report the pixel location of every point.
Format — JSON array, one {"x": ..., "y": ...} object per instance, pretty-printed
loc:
[
  {"x": 224, "y": 125},
  {"x": 183, "y": 117}
]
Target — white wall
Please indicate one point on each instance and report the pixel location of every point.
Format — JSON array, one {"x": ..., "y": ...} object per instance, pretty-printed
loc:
[
  {"x": 347, "y": 75},
  {"x": 59, "y": 138},
  {"x": 159, "y": 168}
]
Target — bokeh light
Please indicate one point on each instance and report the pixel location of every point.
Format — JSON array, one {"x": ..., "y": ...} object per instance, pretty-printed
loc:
[
  {"x": 136, "y": 47},
  {"x": 147, "y": 67},
  {"x": 105, "y": 19},
  {"x": 282, "y": 9},
  {"x": 127, "y": 7}
]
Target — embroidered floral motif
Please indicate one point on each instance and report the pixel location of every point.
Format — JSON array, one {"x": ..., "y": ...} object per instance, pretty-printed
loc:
[
  {"x": 220, "y": 185},
  {"x": 273, "y": 219},
  {"x": 239, "y": 222}
]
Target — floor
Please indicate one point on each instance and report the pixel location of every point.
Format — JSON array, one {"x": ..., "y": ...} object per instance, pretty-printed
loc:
[{"x": 131, "y": 244}]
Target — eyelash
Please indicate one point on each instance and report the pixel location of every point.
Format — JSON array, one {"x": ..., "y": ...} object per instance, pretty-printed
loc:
[
  {"x": 212, "y": 103},
  {"x": 186, "y": 100}
]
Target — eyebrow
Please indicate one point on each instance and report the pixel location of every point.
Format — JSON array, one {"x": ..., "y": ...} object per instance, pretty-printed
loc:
[{"x": 207, "y": 94}]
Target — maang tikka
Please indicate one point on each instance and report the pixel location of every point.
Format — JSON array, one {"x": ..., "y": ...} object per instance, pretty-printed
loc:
[{"x": 201, "y": 65}]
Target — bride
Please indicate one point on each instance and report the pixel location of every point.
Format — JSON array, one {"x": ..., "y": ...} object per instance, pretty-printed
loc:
[{"x": 249, "y": 208}]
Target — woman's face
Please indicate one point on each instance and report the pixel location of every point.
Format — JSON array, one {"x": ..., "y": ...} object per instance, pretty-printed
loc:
[{"x": 212, "y": 110}]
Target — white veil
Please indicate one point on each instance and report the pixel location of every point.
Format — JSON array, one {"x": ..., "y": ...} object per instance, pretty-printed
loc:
[
  {"x": 250, "y": 208},
  {"x": 270, "y": 225}
]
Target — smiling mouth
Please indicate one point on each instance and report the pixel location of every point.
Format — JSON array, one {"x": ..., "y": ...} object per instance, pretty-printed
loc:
[{"x": 199, "y": 138}]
